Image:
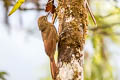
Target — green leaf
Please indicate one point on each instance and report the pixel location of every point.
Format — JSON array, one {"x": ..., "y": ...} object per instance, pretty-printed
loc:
[{"x": 16, "y": 6}]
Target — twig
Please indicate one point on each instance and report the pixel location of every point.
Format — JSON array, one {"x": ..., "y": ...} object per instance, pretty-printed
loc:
[
  {"x": 91, "y": 14},
  {"x": 31, "y": 8}
]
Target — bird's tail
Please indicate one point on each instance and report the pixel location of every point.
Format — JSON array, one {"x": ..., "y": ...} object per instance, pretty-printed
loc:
[{"x": 54, "y": 70}]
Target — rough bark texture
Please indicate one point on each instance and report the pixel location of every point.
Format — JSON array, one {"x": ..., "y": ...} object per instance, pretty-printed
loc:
[{"x": 72, "y": 17}]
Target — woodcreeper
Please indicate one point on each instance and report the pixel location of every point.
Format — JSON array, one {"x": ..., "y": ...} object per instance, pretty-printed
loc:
[{"x": 50, "y": 38}]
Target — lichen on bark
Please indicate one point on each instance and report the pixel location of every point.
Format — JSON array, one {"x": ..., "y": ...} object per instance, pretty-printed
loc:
[{"x": 72, "y": 17}]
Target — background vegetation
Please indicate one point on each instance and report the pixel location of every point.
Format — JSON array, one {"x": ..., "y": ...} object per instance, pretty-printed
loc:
[{"x": 103, "y": 42}]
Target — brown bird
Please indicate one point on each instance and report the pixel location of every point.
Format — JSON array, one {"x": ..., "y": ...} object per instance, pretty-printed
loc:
[{"x": 50, "y": 38}]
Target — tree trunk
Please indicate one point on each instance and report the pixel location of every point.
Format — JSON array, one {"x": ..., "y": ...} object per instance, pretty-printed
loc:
[{"x": 72, "y": 17}]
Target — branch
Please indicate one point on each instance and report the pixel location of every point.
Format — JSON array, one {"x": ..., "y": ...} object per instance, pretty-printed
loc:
[
  {"x": 21, "y": 8},
  {"x": 39, "y": 9},
  {"x": 103, "y": 27},
  {"x": 111, "y": 14}
]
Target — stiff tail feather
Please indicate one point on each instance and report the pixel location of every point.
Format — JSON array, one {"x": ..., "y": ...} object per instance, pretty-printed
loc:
[{"x": 53, "y": 69}]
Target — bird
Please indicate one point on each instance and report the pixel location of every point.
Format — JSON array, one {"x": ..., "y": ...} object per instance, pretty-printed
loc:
[{"x": 50, "y": 39}]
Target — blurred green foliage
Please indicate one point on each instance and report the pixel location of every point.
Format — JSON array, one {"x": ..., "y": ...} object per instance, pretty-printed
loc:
[
  {"x": 2, "y": 75},
  {"x": 107, "y": 14},
  {"x": 97, "y": 66}
]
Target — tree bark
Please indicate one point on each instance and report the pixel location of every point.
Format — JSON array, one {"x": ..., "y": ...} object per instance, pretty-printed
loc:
[{"x": 72, "y": 17}]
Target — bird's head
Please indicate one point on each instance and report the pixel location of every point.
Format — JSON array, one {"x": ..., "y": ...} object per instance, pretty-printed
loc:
[
  {"x": 42, "y": 19},
  {"x": 42, "y": 22}
]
